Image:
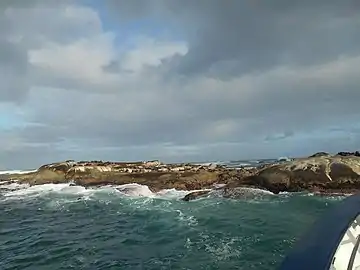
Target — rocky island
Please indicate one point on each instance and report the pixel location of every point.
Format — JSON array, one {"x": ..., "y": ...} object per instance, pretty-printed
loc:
[{"x": 321, "y": 173}]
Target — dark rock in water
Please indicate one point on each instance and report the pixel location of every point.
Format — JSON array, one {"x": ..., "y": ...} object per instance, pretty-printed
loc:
[
  {"x": 195, "y": 195},
  {"x": 245, "y": 193},
  {"x": 284, "y": 159},
  {"x": 320, "y": 154},
  {"x": 272, "y": 180},
  {"x": 345, "y": 154}
]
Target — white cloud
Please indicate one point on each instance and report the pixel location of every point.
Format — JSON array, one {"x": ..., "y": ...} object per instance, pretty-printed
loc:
[
  {"x": 83, "y": 59},
  {"x": 84, "y": 93}
]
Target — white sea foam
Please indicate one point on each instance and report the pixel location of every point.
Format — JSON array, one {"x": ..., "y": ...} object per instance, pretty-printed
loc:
[
  {"x": 189, "y": 220},
  {"x": 172, "y": 193},
  {"x": 29, "y": 191},
  {"x": 17, "y": 172},
  {"x": 5, "y": 185},
  {"x": 224, "y": 249},
  {"x": 133, "y": 190}
]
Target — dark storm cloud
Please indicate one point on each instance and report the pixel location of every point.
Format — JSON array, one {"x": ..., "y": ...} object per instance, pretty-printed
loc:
[
  {"x": 234, "y": 37},
  {"x": 14, "y": 65}
]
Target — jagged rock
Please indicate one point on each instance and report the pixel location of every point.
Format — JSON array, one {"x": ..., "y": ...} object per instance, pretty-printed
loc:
[
  {"x": 320, "y": 154},
  {"x": 345, "y": 154},
  {"x": 195, "y": 195}
]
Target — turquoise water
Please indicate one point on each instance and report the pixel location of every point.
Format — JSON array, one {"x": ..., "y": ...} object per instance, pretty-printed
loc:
[{"x": 62, "y": 227}]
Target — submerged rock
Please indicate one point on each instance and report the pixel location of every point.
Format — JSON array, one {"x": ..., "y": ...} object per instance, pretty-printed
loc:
[
  {"x": 245, "y": 193},
  {"x": 195, "y": 195}
]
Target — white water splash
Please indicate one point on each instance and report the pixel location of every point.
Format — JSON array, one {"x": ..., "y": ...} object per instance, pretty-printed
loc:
[
  {"x": 30, "y": 191},
  {"x": 12, "y": 186},
  {"x": 224, "y": 249},
  {"x": 17, "y": 172},
  {"x": 133, "y": 190},
  {"x": 172, "y": 193},
  {"x": 189, "y": 220}
]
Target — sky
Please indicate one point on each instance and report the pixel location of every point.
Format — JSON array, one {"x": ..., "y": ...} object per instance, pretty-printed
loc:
[{"x": 177, "y": 80}]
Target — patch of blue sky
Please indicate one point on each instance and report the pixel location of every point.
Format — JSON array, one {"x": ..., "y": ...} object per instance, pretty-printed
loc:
[
  {"x": 9, "y": 119},
  {"x": 125, "y": 30}
]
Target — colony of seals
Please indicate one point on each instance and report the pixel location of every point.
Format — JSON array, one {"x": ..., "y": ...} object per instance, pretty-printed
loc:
[{"x": 321, "y": 173}]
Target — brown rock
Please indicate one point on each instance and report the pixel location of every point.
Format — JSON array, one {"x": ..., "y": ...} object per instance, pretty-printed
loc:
[
  {"x": 96, "y": 173},
  {"x": 324, "y": 172},
  {"x": 320, "y": 172}
]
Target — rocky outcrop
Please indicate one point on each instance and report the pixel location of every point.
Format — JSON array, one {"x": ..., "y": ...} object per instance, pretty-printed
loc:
[
  {"x": 320, "y": 173},
  {"x": 151, "y": 173}
]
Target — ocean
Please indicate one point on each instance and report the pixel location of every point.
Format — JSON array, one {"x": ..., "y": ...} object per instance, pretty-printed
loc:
[{"x": 69, "y": 227}]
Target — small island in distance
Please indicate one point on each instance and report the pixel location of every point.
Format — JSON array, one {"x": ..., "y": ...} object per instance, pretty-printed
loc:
[{"x": 321, "y": 173}]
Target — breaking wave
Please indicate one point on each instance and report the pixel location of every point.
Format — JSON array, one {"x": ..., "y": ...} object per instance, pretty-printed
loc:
[
  {"x": 17, "y": 172},
  {"x": 18, "y": 191},
  {"x": 134, "y": 190}
]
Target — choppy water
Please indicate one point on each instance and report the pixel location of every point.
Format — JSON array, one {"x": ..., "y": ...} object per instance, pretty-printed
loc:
[{"x": 69, "y": 227}]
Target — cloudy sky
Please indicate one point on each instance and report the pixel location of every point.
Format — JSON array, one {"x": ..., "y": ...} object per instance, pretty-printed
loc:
[{"x": 177, "y": 79}]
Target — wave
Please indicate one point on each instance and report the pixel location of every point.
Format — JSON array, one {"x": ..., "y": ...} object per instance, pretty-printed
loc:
[
  {"x": 20, "y": 191},
  {"x": 17, "y": 191},
  {"x": 17, "y": 172}
]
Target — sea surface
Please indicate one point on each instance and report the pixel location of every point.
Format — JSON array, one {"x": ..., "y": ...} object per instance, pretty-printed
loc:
[{"x": 70, "y": 227}]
